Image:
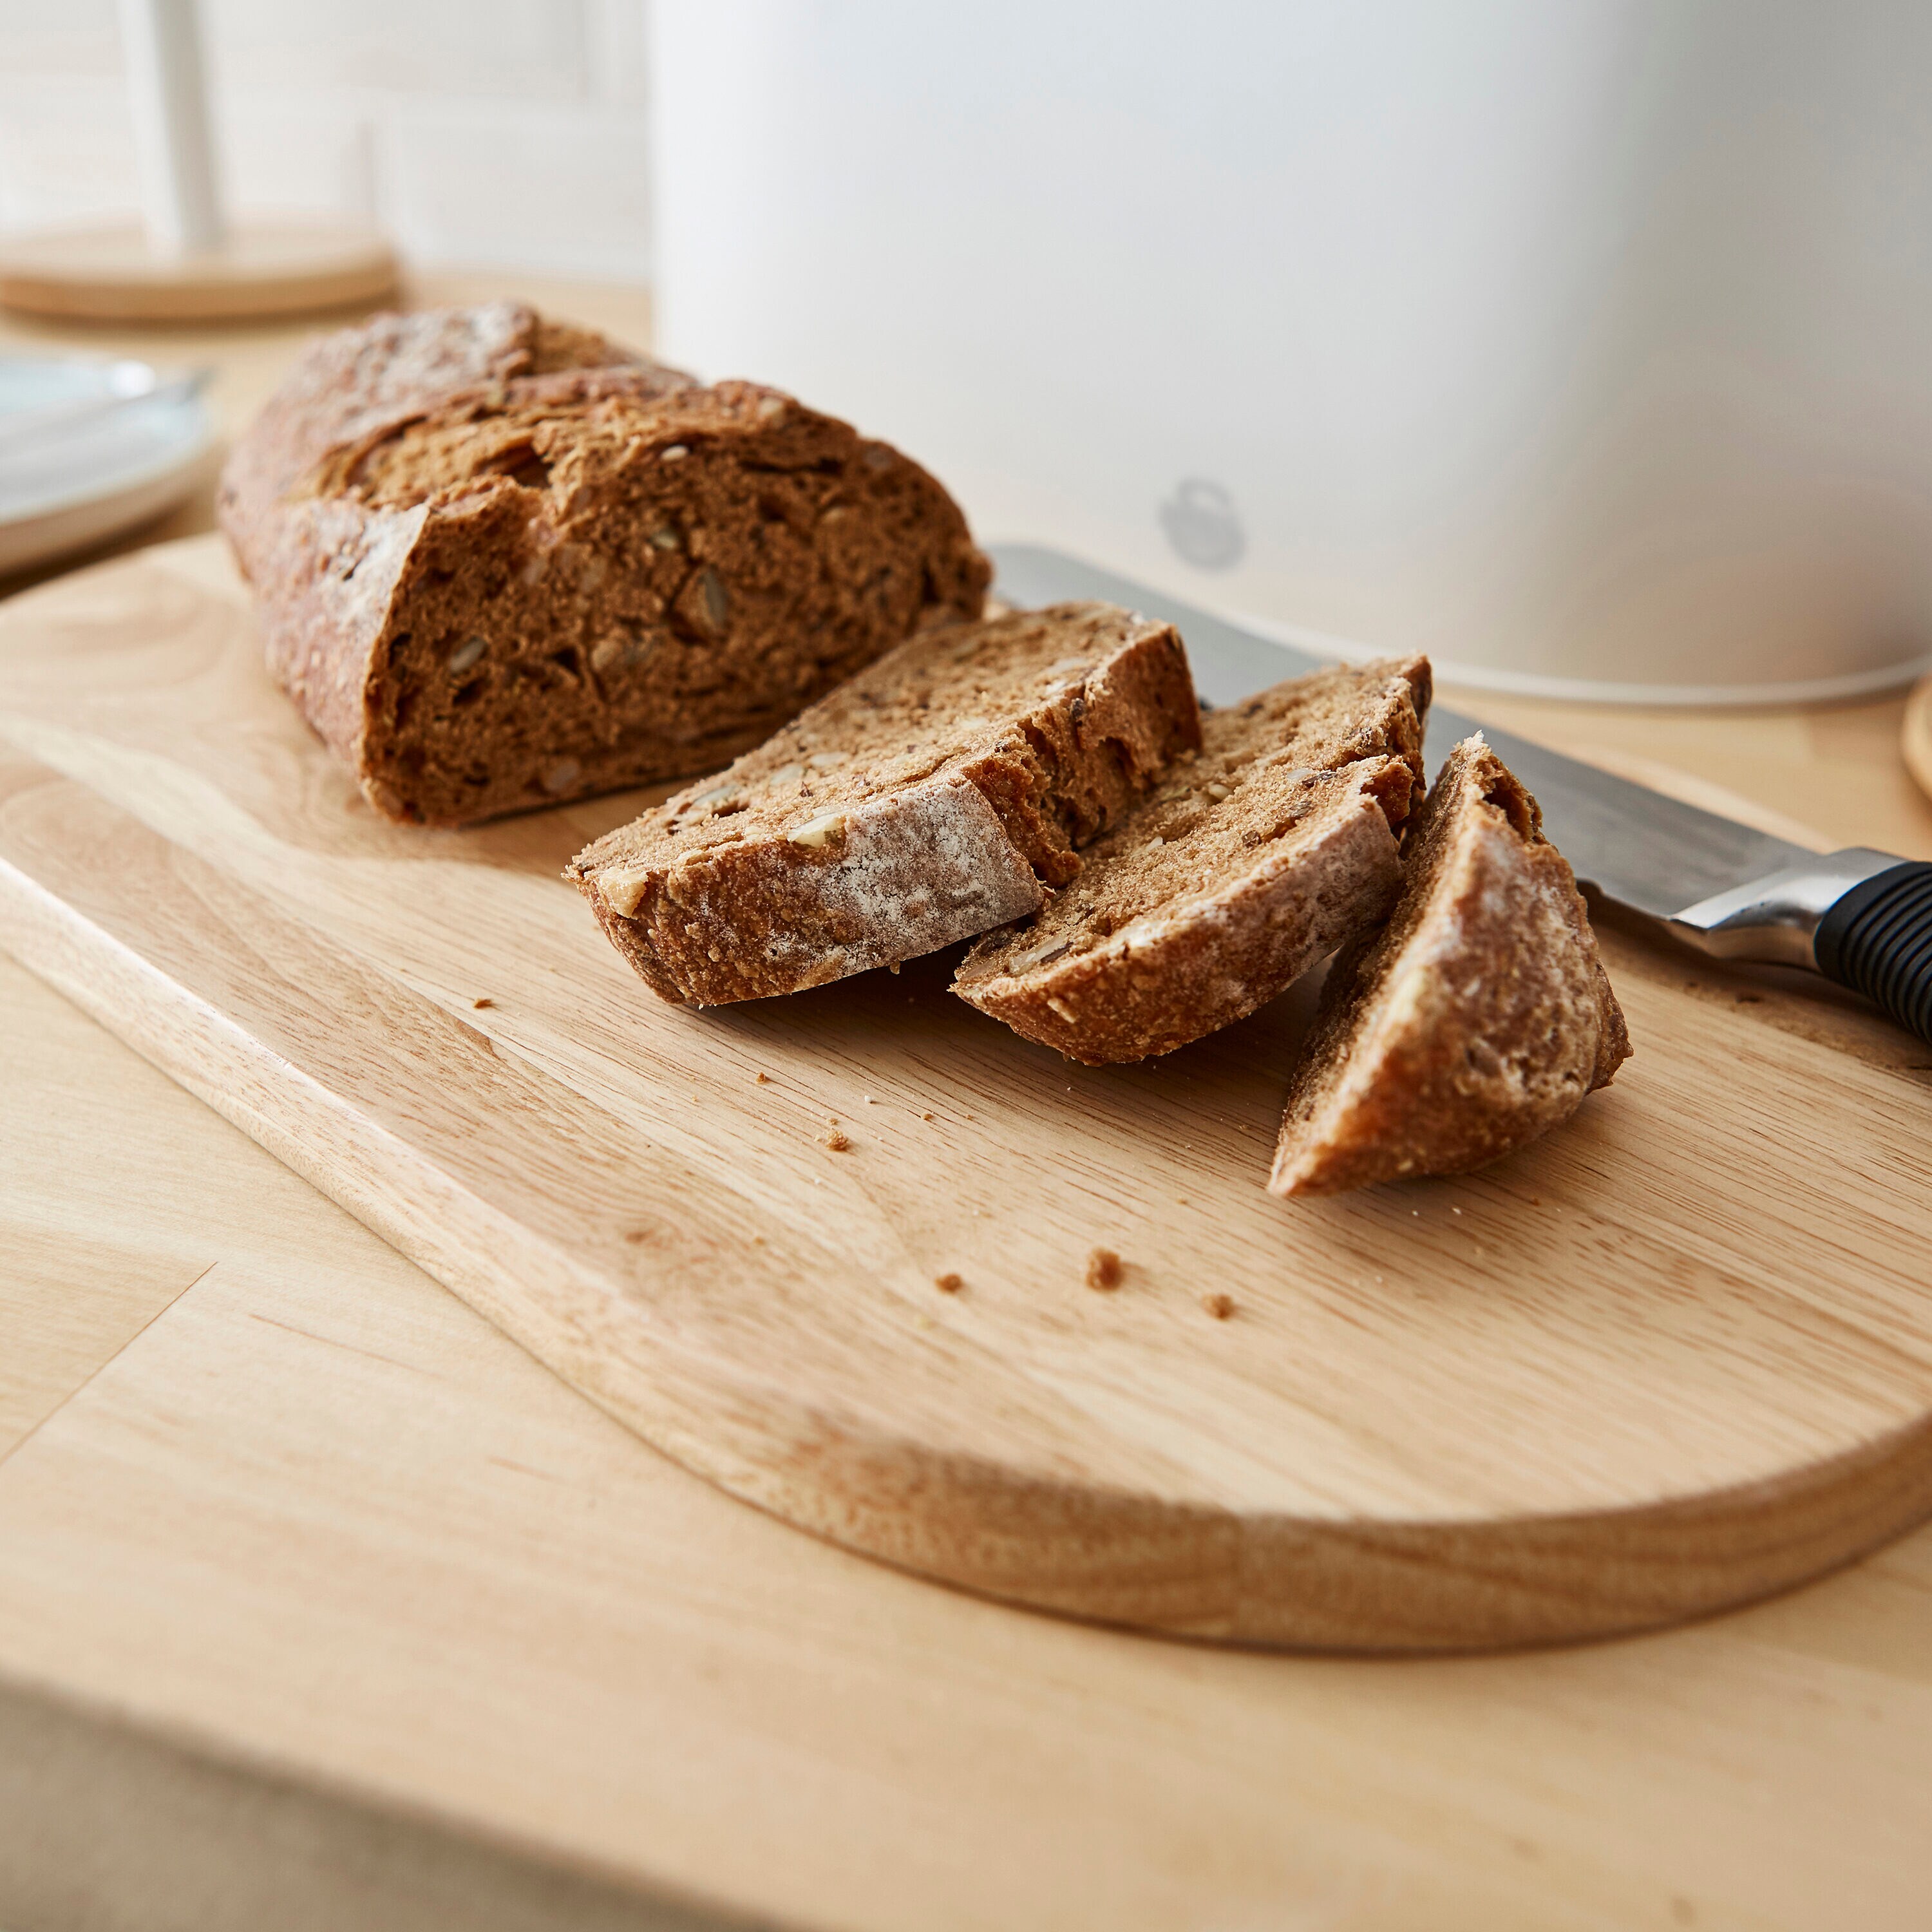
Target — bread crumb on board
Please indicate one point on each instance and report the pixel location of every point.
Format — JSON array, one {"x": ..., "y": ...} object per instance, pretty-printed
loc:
[
  {"x": 948, "y": 1284},
  {"x": 1219, "y": 1305},
  {"x": 1104, "y": 1270},
  {"x": 478, "y": 1005},
  {"x": 835, "y": 1137},
  {"x": 764, "y": 1080}
]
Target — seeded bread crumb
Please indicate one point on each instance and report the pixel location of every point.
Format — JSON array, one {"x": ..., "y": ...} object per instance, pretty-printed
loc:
[
  {"x": 1273, "y": 846},
  {"x": 1104, "y": 1270}
]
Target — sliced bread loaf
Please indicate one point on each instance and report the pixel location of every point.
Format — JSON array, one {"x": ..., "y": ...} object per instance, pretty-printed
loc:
[
  {"x": 1270, "y": 848},
  {"x": 1477, "y": 1019},
  {"x": 502, "y": 565},
  {"x": 936, "y": 794}
]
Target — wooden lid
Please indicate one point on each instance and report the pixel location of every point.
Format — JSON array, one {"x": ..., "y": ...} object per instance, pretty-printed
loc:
[{"x": 284, "y": 266}]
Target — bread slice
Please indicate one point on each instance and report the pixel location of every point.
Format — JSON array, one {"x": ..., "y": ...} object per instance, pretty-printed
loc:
[
  {"x": 1476, "y": 1020},
  {"x": 935, "y": 795},
  {"x": 1272, "y": 848},
  {"x": 503, "y": 563}
]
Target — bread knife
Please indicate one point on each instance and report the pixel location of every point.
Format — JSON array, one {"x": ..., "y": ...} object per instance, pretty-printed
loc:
[{"x": 1862, "y": 918}]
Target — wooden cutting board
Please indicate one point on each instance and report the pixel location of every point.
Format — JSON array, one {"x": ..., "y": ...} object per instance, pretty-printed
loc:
[{"x": 1676, "y": 1355}]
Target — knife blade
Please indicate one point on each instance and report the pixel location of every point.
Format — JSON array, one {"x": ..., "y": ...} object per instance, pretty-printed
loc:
[{"x": 1861, "y": 917}]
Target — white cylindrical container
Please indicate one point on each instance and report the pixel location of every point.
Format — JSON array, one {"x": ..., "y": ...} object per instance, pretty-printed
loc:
[
  {"x": 1587, "y": 347},
  {"x": 167, "y": 94}
]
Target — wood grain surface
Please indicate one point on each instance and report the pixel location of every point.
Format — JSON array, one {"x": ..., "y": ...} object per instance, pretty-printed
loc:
[
  {"x": 1915, "y": 735},
  {"x": 1678, "y": 1355},
  {"x": 323, "y": 1606}
]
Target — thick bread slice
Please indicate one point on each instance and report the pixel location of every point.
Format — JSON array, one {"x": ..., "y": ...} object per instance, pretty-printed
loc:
[
  {"x": 922, "y": 802},
  {"x": 502, "y": 564},
  {"x": 1479, "y": 1017},
  {"x": 1274, "y": 846}
]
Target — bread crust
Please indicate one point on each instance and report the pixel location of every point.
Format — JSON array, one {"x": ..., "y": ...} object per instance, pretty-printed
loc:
[
  {"x": 1478, "y": 1020},
  {"x": 356, "y": 385},
  {"x": 1323, "y": 780},
  {"x": 919, "y": 836},
  {"x": 909, "y": 873}
]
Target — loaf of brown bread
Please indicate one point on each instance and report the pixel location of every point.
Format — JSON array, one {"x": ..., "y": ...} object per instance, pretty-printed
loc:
[
  {"x": 1477, "y": 1019},
  {"x": 1273, "y": 846},
  {"x": 503, "y": 562},
  {"x": 938, "y": 793}
]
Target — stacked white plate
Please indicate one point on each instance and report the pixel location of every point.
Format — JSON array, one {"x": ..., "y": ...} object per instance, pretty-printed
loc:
[{"x": 91, "y": 446}]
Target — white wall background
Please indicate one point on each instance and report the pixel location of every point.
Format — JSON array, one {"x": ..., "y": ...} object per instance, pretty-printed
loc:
[{"x": 476, "y": 132}]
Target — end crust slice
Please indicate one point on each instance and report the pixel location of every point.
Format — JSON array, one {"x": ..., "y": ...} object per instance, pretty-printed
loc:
[
  {"x": 1476, "y": 1020},
  {"x": 936, "y": 794},
  {"x": 1273, "y": 846}
]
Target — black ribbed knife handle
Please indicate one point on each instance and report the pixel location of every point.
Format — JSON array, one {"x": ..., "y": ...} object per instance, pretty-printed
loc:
[{"x": 1877, "y": 940}]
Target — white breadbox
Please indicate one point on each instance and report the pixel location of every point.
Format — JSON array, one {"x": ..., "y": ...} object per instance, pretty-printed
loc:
[{"x": 1586, "y": 346}]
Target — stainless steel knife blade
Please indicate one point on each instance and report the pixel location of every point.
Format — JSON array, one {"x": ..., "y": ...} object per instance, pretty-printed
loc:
[{"x": 1654, "y": 854}]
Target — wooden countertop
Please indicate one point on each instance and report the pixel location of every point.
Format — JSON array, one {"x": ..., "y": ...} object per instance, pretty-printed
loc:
[{"x": 322, "y": 1604}]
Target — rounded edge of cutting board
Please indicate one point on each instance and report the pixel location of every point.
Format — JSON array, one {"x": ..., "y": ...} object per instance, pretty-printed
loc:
[
  {"x": 1915, "y": 735},
  {"x": 1358, "y": 1587},
  {"x": 115, "y": 912}
]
